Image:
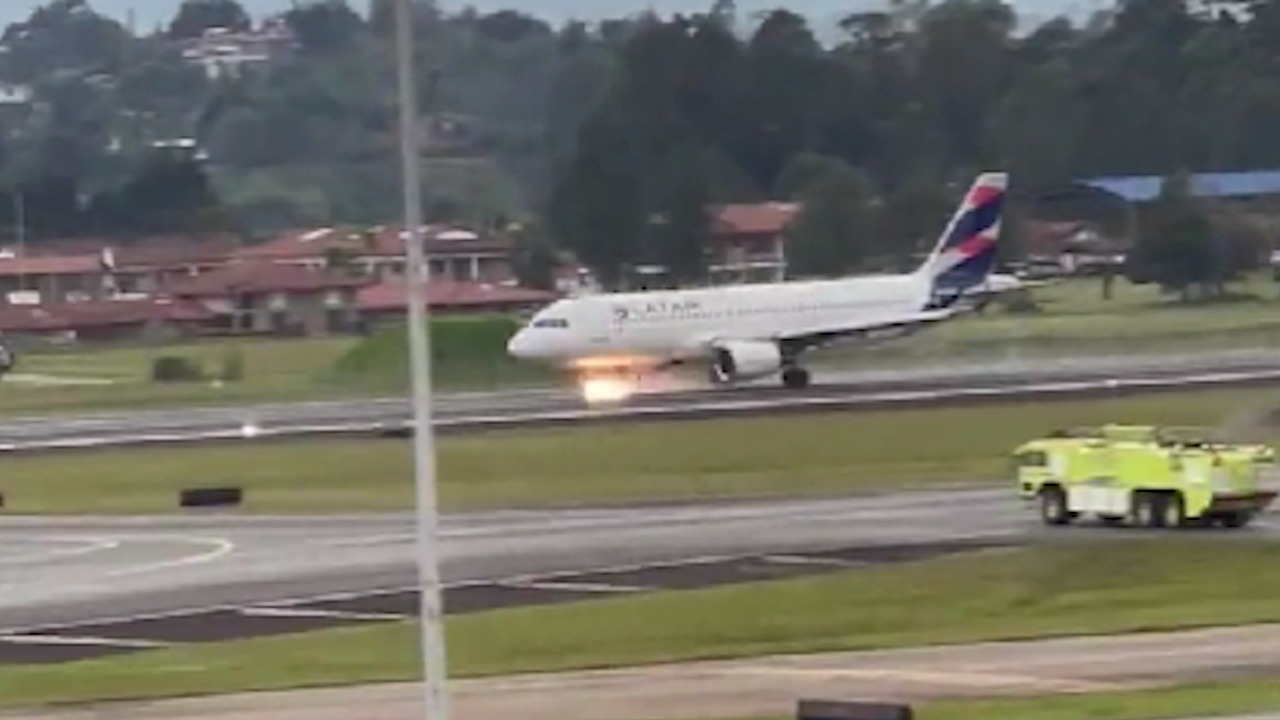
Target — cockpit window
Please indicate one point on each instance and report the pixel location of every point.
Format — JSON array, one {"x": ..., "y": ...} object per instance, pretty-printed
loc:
[{"x": 551, "y": 323}]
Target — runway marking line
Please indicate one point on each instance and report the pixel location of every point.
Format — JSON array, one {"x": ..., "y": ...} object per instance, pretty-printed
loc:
[
  {"x": 221, "y": 549},
  {"x": 817, "y": 561},
  {"x": 80, "y": 640},
  {"x": 962, "y": 678},
  {"x": 602, "y": 588},
  {"x": 88, "y": 546},
  {"x": 286, "y": 612},
  {"x": 1132, "y": 648}
]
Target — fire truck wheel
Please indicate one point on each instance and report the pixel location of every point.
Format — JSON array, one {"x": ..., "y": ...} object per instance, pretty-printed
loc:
[
  {"x": 1053, "y": 506},
  {"x": 1146, "y": 510},
  {"x": 1173, "y": 511}
]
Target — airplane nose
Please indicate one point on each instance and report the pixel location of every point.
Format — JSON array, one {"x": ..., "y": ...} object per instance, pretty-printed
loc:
[{"x": 518, "y": 345}]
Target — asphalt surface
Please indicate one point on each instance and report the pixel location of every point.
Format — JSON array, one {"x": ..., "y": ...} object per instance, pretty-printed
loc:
[
  {"x": 121, "y": 585},
  {"x": 950, "y": 382},
  {"x": 93, "y": 639},
  {"x": 56, "y": 571},
  {"x": 65, "y": 570}
]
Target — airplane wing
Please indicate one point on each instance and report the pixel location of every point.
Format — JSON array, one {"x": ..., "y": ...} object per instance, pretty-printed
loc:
[{"x": 817, "y": 336}]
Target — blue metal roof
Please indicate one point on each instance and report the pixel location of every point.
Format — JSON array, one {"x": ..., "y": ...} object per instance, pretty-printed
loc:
[{"x": 1146, "y": 188}]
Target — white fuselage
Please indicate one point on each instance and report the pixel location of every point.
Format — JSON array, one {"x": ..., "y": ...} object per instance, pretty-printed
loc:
[{"x": 680, "y": 324}]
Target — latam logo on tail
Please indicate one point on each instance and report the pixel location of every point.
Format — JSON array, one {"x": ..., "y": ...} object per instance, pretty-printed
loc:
[{"x": 968, "y": 252}]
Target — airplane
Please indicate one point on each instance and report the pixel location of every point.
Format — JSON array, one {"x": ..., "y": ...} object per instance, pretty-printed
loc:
[
  {"x": 748, "y": 332},
  {"x": 997, "y": 284}
]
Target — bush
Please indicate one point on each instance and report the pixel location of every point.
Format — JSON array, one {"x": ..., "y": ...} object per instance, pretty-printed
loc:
[
  {"x": 170, "y": 368},
  {"x": 1020, "y": 303},
  {"x": 466, "y": 350}
]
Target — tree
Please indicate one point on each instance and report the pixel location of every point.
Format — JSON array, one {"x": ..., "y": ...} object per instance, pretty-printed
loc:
[
  {"x": 912, "y": 218},
  {"x": 325, "y": 26},
  {"x": 831, "y": 234},
  {"x": 166, "y": 194},
  {"x": 382, "y": 15},
  {"x": 965, "y": 64},
  {"x": 195, "y": 17},
  {"x": 63, "y": 37},
  {"x": 510, "y": 26},
  {"x": 1177, "y": 246},
  {"x": 802, "y": 171},
  {"x": 534, "y": 258},
  {"x": 679, "y": 230},
  {"x": 597, "y": 207},
  {"x": 781, "y": 59},
  {"x": 1039, "y": 126},
  {"x": 585, "y": 125}
]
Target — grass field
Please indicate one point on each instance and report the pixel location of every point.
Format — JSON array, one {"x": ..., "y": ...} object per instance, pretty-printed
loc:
[
  {"x": 1075, "y": 320},
  {"x": 465, "y": 353},
  {"x": 1137, "y": 585},
  {"x": 468, "y": 354},
  {"x": 831, "y": 453},
  {"x": 285, "y": 369}
]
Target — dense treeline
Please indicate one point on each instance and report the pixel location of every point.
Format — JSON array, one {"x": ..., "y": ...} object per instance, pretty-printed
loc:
[
  {"x": 883, "y": 129},
  {"x": 617, "y": 136},
  {"x": 307, "y": 138}
]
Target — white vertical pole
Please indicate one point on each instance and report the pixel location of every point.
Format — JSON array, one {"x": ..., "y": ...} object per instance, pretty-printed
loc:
[
  {"x": 20, "y": 213},
  {"x": 433, "y": 654}
]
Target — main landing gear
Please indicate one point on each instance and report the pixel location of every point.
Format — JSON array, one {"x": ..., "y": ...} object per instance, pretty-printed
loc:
[{"x": 795, "y": 377}]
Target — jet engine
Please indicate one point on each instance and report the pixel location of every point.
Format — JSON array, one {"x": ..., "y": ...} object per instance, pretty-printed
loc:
[{"x": 733, "y": 361}]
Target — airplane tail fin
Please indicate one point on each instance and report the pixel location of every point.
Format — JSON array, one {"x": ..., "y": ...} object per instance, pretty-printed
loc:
[{"x": 966, "y": 253}]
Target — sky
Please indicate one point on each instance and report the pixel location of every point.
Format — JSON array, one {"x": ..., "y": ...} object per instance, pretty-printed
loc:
[{"x": 150, "y": 13}]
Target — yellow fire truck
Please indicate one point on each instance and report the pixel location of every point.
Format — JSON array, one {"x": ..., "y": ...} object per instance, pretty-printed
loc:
[{"x": 1145, "y": 476}]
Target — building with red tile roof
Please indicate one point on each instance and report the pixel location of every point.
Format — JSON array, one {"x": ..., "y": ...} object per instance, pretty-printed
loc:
[
  {"x": 454, "y": 253},
  {"x": 154, "y": 318},
  {"x": 61, "y": 271},
  {"x": 269, "y": 297},
  {"x": 748, "y": 241},
  {"x": 387, "y": 299}
]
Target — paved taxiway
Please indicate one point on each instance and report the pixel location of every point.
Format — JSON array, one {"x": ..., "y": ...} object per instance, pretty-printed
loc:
[
  {"x": 66, "y": 572},
  {"x": 60, "y": 571},
  {"x": 457, "y": 412}
]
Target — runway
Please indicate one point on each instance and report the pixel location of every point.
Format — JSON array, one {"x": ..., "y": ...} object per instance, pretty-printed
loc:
[
  {"x": 55, "y": 572},
  {"x": 465, "y": 412},
  {"x": 64, "y": 570},
  {"x": 89, "y": 587},
  {"x": 123, "y": 584}
]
